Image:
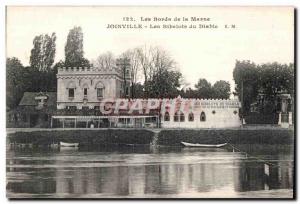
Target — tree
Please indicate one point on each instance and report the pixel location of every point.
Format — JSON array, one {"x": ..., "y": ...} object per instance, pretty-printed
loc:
[
  {"x": 161, "y": 77},
  {"x": 43, "y": 52},
  {"x": 188, "y": 93},
  {"x": 276, "y": 78},
  {"x": 204, "y": 89},
  {"x": 269, "y": 79},
  {"x": 74, "y": 49},
  {"x": 144, "y": 56},
  {"x": 138, "y": 90},
  {"x": 164, "y": 84},
  {"x": 246, "y": 77},
  {"x": 15, "y": 83},
  {"x": 105, "y": 61},
  {"x": 135, "y": 68},
  {"x": 221, "y": 90}
]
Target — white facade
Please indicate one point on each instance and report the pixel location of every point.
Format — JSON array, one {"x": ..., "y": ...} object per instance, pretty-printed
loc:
[
  {"x": 208, "y": 113},
  {"x": 86, "y": 87}
]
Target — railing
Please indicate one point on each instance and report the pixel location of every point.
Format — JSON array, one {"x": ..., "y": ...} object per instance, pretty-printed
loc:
[{"x": 97, "y": 112}]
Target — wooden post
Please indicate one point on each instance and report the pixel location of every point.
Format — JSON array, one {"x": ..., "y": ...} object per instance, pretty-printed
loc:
[
  {"x": 75, "y": 122},
  {"x": 63, "y": 123},
  {"x": 51, "y": 123}
]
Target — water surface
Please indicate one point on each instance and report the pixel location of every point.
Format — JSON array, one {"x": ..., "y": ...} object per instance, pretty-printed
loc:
[{"x": 143, "y": 172}]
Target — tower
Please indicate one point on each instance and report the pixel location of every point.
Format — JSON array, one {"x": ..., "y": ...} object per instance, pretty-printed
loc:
[{"x": 124, "y": 66}]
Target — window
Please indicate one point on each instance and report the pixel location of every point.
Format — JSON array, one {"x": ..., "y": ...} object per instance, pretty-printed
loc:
[
  {"x": 182, "y": 117},
  {"x": 176, "y": 117},
  {"x": 167, "y": 117},
  {"x": 99, "y": 92},
  {"x": 85, "y": 108},
  {"x": 202, "y": 117},
  {"x": 100, "y": 89},
  {"x": 191, "y": 117},
  {"x": 179, "y": 116},
  {"x": 71, "y": 108},
  {"x": 85, "y": 91},
  {"x": 71, "y": 89},
  {"x": 71, "y": 93}
]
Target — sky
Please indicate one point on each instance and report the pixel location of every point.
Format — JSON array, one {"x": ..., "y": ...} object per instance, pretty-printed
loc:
[{"x": 261, "y": 35}]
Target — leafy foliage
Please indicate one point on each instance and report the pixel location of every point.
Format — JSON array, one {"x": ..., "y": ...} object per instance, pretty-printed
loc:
[
  {"x": 204, "y": 89},
  {"x": 39, "y": 76},
  {"x": 138, "y": 90},
  {"x": 21, "y": 79},
  {"x": 74, "y": 49},
  {"x": 43, "y": 52},
  {"x": 14, "y": 83},
  {"x": 164, "y": 84},
  {"x": 221, "y": 90},
  {"x": 269, "y": 79}
]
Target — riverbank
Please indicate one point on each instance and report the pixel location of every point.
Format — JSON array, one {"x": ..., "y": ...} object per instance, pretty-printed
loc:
[
  {"x": 162, "y": 137},
  {"x": 233, "y": 136}
]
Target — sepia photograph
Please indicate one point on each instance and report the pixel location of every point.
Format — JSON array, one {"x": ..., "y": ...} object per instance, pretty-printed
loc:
[{"x": 150, "y": 102}]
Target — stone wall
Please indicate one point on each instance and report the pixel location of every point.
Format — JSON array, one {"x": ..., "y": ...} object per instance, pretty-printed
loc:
[
  {"x": 169, "y": 137},
  {"x": 209, "y": 113},
  {"x": 233, "y": 136},
  {"x": 90, "y": 78}
]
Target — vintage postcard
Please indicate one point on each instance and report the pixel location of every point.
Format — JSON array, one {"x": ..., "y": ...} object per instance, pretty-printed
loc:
[{"x": 150, "y": 102}]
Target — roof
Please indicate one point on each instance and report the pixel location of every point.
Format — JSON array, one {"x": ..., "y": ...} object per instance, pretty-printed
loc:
[{"x": 28, "y": 98}]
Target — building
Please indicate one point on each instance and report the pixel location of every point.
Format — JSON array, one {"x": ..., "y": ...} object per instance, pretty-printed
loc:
[
  {"x": 35, "y": 110},
  {"x": 85, "y": 87},
  {"x": 203, "y": 113},
  {"x": 90, "y": 97},
  {"x": 276, "y": 111},
  {"x": 85, "y": 96}
]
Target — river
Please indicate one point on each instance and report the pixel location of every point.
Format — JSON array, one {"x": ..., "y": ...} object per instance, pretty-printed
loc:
[{"x": 250, "y": 171}]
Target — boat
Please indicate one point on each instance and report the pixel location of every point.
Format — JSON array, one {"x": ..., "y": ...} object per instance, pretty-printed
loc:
[
  {"x": 186, "y": 144},
  {"x": 64, "y": 144}
]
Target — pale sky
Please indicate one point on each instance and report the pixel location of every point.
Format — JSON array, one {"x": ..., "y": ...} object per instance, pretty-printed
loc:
[{"x": 262, "y": 34}]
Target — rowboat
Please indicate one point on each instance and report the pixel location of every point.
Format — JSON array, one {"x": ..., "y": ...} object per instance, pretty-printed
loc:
[
  {"x": 64, "y": 144},
  {"x": 186, "y": 144}
]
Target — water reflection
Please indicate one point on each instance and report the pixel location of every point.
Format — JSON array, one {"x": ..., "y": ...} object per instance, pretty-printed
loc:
[{"x": 132, "y": 172}]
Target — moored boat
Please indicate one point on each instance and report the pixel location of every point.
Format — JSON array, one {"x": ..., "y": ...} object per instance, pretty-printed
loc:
[
  {"x": 65, "y": 144},
  {"x": 186, "y": 144}
]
